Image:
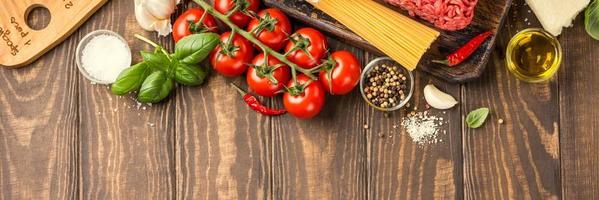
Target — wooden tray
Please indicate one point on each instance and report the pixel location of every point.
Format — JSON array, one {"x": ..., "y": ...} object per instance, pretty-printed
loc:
[
  {"x": 489, "y": 15},
  {"x": 21, "y": 45}
]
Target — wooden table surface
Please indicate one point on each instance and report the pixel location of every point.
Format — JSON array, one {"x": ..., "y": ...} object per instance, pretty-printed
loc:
[{"x": 64, "y": 138}]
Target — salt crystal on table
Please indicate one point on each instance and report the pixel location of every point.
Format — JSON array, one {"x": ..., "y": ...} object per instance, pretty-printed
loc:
[{"x": 422, "y": 128}]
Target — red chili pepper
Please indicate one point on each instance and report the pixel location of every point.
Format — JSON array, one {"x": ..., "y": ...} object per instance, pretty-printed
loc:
[
  {"x": 254, "y": 104},
  {"x": 465, "y": 51}
]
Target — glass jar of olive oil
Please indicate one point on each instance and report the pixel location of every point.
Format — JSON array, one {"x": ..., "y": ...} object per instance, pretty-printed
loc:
[{"x": 533, "y": 55}]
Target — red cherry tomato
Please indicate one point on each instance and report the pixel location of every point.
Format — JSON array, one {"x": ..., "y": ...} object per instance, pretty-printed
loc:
[
  {"x": 258, "y": 80},
  {"x": 313, "y": 41},
  {"x": 238, "y": 18},
  {"x": 271, "y": 27},
  {"x": 344, "y": 71},
  {"x": 232, "y": 58},
  {"x": 186, "y": 24},
  {"x": 309, "y": 102}
]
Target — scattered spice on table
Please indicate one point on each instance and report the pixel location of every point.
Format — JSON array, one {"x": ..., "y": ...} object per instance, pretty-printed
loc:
[
  {"x": 255, "y": 105},
  {"x": 423, "y": 128},
  {"x": 386, "y": 86}
]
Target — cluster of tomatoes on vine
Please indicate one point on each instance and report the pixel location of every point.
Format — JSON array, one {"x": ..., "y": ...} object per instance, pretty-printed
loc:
[{"x": 307, "y": 48}]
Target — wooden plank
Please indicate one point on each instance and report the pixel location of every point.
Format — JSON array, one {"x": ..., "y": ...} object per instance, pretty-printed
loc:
[
  {"x": 38, "y": 127},
  {"x": 223, "y": 147},
  {"x": 401, "y": 169},
  {"x": 322, "y": 158},
  {"x": 520, "y": 158},
  {"x": 127, "y": 152},
  {"x": 579, "y": 114},
  {"x": 489, "y": 16}
]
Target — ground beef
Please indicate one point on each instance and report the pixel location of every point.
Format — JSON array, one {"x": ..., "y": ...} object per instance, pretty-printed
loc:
[{"x": 445, "y": 14}]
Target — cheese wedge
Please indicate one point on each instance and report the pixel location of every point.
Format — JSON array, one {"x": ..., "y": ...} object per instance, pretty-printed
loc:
[{"x": 556, "y": 14}]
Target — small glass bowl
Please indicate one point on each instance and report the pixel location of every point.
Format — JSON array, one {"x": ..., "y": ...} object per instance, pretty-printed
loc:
[
  {"x": 390, "y": 62},
  {"x": 85, "y": 41},
  {"x": 524, "y": 35}
]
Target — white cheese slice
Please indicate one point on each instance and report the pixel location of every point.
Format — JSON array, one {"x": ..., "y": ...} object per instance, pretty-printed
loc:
[{"x": 556, "y": 14}]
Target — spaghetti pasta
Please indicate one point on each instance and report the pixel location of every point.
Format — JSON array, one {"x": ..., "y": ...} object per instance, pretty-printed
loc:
[{"x": 398, "y": 36}]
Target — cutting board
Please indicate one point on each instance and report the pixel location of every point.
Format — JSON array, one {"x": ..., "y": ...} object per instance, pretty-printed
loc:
[
  {"x": 489, "y": 15},
  {"x": 21, "y": 45}
]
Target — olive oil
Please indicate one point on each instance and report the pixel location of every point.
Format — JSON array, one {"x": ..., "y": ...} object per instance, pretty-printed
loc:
[{"x": 534, "y": 55}]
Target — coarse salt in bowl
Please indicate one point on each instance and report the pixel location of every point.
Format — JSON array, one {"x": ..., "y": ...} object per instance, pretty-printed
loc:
[{"x": 102, "y": 55}]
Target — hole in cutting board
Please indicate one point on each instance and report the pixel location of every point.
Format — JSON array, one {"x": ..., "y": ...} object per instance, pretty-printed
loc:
[{"x": 37, "y": 17}]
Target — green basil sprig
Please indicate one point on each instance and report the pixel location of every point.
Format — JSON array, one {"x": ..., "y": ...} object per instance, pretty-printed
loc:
[
  {"x": 194, "y": 49},
  {"x": 189, "y": 75},
  {"x": 154, "y": 77},
  {"x": 155, "y": 88},
  {"x": 156, "y": 60},
  {"x": 131, "y": 78},
  {"x": 477, "y": 118}
]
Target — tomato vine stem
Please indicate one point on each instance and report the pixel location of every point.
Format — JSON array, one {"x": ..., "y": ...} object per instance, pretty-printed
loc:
[{"x": 234, "y": 28}]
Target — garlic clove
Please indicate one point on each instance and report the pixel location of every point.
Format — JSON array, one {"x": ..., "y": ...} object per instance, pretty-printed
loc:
[
  {"x": 438, "y": 99},
  {"x": 163, "y": 27},
  {"x": 143, "y": 17},
  {"x": 161, "y": 9},
  {"x": 154, "y": 15}
]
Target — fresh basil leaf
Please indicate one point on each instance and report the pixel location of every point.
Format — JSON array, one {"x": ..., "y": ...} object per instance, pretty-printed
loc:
[
  {"x": 155, "y": 88},
  {"x": 195, "y": 48},
  {"x": 131, "y": 79},
  {"x": 190, "y": 75},
  {"x": 477, "y": 118},
  {"x": 592, "y": 19},
  {"x": 157, "y": 60}
]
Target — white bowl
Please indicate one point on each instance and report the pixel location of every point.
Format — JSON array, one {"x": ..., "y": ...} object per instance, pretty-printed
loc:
[{"x": 82, "y": 45}]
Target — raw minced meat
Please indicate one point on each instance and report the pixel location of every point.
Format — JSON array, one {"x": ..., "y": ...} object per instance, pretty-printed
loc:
[{"x": 445, "y": 14}]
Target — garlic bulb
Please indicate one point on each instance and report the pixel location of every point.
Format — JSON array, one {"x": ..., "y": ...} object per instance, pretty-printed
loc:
[
  {"x": 155, "y": 15},
  {"x": 438, "y": 99}
]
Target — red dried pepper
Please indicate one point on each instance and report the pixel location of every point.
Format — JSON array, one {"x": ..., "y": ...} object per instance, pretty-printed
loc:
[
  {"x": 254, "y": 104},
  {"x": 465, "y": 51}
]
